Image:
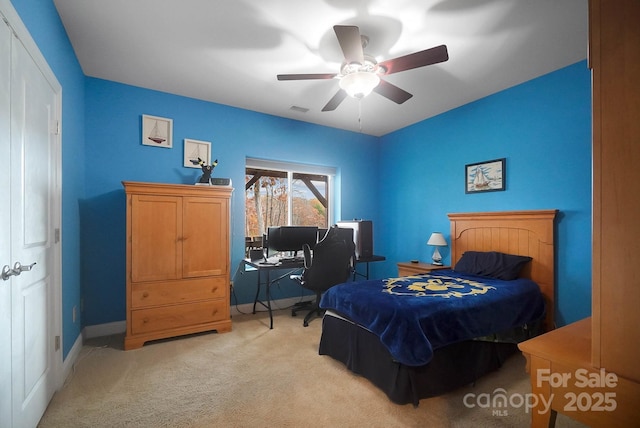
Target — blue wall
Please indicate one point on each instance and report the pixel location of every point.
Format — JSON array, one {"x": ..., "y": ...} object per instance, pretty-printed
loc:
[
  {"x": 543, "y": 129},
  {"x": 114, "y": 153}
]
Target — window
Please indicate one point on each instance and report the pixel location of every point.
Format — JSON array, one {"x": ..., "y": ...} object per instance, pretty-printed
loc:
[{"x": 281, "y": 194}]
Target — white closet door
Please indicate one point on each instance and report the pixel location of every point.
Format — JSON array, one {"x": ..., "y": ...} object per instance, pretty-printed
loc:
[
  {"x": 33, "y": 139},
  {"x": 5, "y": 227}
]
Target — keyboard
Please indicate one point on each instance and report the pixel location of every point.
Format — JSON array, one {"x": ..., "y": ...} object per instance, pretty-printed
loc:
[
  {"x": 275, "y": 261},
  {"x": 291, "y": 259}
]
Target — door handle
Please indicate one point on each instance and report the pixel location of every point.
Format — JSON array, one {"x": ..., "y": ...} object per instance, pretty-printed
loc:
[
  {"x": 22, "y": 268},
  {"x": 18, "y": 268},
  {"x": 6, "y": 272}
]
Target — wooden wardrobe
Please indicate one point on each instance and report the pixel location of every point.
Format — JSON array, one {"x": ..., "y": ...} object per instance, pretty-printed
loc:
[
  {"x": 614, "y": 58},
  {"x": 177, "y": 260},
  {"x": 605, "y": 346}
]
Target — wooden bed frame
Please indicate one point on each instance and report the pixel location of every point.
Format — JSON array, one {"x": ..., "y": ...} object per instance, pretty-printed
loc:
[{"x": 525, "y": 233}]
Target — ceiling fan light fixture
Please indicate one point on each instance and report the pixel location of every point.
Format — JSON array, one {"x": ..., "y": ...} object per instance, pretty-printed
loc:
[
  {"x": 360, "y": 73},
  {"x": 359, "y": 84}
]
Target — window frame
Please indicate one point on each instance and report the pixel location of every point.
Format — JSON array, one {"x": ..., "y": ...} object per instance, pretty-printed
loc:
[{"x": 291, "y": 168}]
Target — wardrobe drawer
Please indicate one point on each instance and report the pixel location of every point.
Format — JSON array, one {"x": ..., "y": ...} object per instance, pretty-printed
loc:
[
  {"x": 145, "y": 294},
  {"x": 177, "y": 316}
]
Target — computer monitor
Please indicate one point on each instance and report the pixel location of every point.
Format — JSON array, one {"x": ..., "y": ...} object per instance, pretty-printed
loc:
[{"x": 282, "y": 239}]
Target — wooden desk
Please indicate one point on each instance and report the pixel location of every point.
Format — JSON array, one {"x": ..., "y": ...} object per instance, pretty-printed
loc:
[
  {"x": 559, "y": 366},
  {"x": 408, "y": 268}
]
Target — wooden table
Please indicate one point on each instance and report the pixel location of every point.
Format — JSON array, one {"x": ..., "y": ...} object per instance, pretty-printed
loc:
[{"x": 559, "y": 365}]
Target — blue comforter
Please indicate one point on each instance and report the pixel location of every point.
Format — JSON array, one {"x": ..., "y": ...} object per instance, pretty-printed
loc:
[{"x": 415, "y": 315}]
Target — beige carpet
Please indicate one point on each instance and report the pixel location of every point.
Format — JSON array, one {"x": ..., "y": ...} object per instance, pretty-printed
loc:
[{"x": 254, "y": 377}]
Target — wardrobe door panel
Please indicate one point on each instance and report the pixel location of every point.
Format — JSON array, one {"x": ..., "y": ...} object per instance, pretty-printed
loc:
[
  {"x": 205, "y": 236},
  {"x": 156, "y": 224}
]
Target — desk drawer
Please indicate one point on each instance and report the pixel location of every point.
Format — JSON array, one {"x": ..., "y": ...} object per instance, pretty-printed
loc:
[
  {"x": 145, "y": 294},
  {"x": 177, "y": 316}
]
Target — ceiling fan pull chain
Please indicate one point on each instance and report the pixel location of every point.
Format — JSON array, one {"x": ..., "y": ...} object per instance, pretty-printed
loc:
[{"x": 360, "y": 114}]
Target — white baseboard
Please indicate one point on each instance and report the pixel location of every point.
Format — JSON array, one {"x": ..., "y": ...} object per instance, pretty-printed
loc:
[
  {"x": 118, "y": 327},
  {"x": 72, "y": 357},
  {"x": 107, "y": 329},
  {"x": 69, "y": 362}
]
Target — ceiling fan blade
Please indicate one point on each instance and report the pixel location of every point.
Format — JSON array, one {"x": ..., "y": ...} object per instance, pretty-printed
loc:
[
  {"x": 350, "y": 43},
  {"x": 306, "y": 76},
  {"x": 416, "y": 59},
  {"x": 335, "y": 101},
  {"x": 392, "y": 92}
]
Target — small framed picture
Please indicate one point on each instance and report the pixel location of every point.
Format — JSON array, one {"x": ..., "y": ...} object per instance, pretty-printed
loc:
[
  {"x": 487, "y": 176},
  {"x": 194, "y": 149},
  {"x": 157, "y": 131}
]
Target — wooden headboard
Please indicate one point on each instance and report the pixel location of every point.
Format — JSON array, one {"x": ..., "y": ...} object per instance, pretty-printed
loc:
[{"x": 525, "y": 233}]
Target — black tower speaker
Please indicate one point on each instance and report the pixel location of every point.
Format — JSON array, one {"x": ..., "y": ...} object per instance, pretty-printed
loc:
[{"x": 362, "y": 236}]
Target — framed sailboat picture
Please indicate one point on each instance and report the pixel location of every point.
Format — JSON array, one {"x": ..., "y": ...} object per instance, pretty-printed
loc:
[
  {"x": 487, "y": 176},
  {"x": 194, "y": 149},
  {"x": 157, "y": 131}
]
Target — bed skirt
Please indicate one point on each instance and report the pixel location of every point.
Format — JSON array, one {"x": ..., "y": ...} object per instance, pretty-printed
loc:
[{"x": 452, "y": 366}]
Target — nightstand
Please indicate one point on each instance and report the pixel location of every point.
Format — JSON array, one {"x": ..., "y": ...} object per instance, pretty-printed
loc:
[{"x": 408, "y": 268}]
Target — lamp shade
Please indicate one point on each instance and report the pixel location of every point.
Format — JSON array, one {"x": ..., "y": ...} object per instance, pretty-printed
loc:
[
  {"x": 359, "y": 84},
  {"x": 437, "y": 239}
]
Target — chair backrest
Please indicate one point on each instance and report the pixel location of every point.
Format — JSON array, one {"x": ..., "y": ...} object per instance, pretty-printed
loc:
[{"x": 332, "y": 261}]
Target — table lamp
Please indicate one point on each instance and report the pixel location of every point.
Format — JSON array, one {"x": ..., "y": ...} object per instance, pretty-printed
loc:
[{"x": 437, "y": 240}]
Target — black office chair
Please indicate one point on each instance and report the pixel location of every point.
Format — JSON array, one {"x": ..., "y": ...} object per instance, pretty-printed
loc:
[{"x": 331, "y": 263}]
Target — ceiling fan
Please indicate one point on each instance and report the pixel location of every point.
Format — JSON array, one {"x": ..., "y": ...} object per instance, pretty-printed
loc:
[{"x": 360, "y": 73}]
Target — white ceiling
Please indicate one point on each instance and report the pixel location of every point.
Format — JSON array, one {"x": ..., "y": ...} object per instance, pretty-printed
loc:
[{"x": 230, "y": 51}]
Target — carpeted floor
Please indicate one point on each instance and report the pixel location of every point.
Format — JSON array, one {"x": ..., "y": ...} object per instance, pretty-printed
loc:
[{"x": 256, "y": 377}]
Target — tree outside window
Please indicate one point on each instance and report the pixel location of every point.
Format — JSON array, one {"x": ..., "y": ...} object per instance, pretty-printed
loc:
[{"x": 281, "y": 198}]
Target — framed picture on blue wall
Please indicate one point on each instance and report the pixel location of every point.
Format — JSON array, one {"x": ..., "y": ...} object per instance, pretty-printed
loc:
[
  {"x": 157, "y": 131},
  {"x": 487, "y": 176},
  {"x": 194, "y": 150}
]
